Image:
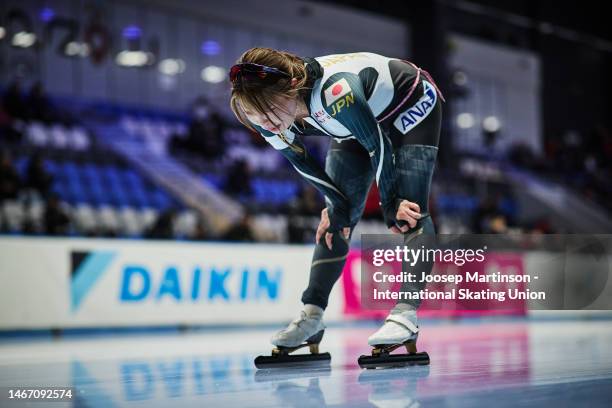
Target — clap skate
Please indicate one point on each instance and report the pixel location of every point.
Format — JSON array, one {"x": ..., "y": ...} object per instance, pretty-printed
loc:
[
  {"x": 398, "y": 331},
  {"x": 292, "y": 339}
]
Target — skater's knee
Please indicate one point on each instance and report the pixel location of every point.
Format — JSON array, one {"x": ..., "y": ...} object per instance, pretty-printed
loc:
[
  {"x": 340, "y": 248},
  {"x": 327, "y": 264}
]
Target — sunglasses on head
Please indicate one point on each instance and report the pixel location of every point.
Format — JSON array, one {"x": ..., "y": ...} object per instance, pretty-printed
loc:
[{"x": 249, "y": 72}]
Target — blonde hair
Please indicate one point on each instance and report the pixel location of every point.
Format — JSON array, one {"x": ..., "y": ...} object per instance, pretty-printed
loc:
[{"x": 259, "y": 96}]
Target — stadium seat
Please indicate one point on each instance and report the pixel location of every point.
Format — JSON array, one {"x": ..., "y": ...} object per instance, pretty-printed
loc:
[
  {"x": 85, "y": 218},
  {"x": 79, "y": 139},
  {"x": 131, "y": 224},
  {"x": 59, "y": 137},
  {"x": 37, "y": 134},
  {"x": 109, "y": 218},
  {"x": 148, "y": 216},
  {"x": 186, "y": 223},
  {"x": 13, "y": 214}
]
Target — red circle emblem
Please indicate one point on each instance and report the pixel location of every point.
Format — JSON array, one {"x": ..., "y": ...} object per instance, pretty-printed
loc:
[{"x": 336, "y": 89}]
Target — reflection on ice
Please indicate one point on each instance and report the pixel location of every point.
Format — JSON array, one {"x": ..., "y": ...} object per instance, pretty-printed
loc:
[{"x": 472, "y": 363}]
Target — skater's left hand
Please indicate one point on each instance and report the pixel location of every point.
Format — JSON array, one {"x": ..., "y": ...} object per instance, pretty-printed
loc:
[{"x": 324, "y": 225}]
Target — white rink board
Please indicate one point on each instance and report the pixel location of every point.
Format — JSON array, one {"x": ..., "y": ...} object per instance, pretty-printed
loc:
[{"x": 145, "y": 283}]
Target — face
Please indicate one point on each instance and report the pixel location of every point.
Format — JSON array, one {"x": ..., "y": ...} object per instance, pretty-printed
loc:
[{"x": 281, "y": 116}]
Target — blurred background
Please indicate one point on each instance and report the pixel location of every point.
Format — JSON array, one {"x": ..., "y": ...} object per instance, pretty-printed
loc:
[
  {"x": 131, "y": 200},
  {"x": 115, "y": 124},
  {"x": 114, "y": 119}
]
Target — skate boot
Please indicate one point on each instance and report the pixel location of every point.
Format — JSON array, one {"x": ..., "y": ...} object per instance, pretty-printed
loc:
[
  {"x": 306, "y": 330},
  {"x": 400, "y": 329}
]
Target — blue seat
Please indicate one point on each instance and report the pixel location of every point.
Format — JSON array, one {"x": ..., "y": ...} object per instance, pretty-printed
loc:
[
  {"x": 51, "y": 166},
  {"x": 456, "y": 203},
  {"x": 91, "y": 173},
  {"x": 118, "y": 194},
  {"x": 509, "y": 207},
  {"x": 122, "y": 200},
  {"x": 116, "y": 184},
  {"x": 113, "y": 175},
  {"x": 75, "y": 186},
  {"x": 21, "y": 165},
  {"x": 260, "y": 191},
  {"x": 75, "y": 193},
  {"x": 71, "y": 170},
  {"x": 445, "y": 203},
  {"x": 98, "y": 198},
  {"x": 275, "y": 192},
  {"x": 62, "y": 191},
  {"x": 138, "y": 198},
  {"x": 214, "y": 179},
  {"x": 160, "y": 200},
  {"x": 131, "y": 175}
]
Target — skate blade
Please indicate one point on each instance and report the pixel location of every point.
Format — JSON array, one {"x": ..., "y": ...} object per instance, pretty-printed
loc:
[
  {"x": 293, "y": 360},
  {"x": 393, "y": 360}
]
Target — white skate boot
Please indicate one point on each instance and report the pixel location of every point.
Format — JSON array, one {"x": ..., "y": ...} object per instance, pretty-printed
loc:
[
  {"x": 400, "y": 329},
  {"x": 299, "y": 330},
  {"x": 306, "y": 330}
]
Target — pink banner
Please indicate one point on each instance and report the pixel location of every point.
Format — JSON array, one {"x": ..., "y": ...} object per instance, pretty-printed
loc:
[{"x": 505, "y": 263}]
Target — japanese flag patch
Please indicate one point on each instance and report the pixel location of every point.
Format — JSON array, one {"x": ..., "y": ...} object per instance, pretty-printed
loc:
[{"x": 336, "y": 90}]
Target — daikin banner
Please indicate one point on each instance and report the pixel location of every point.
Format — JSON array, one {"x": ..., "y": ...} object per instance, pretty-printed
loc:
[{"x": 62, "y": 283}]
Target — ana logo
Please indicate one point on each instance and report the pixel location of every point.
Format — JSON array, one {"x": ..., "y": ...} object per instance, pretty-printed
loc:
[
  {"x": 86, "y": 268},
  {"x": 419, "y": 111},
  {"x": 336, "y": 91}
]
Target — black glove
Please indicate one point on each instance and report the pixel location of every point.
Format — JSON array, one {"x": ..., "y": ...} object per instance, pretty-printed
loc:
[{"x": 390, "y": 211}]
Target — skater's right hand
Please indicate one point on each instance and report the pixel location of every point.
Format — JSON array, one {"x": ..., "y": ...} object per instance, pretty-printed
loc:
[
  {"x": 324, "y": 225},
  {"x": 406, "y": 211}
]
